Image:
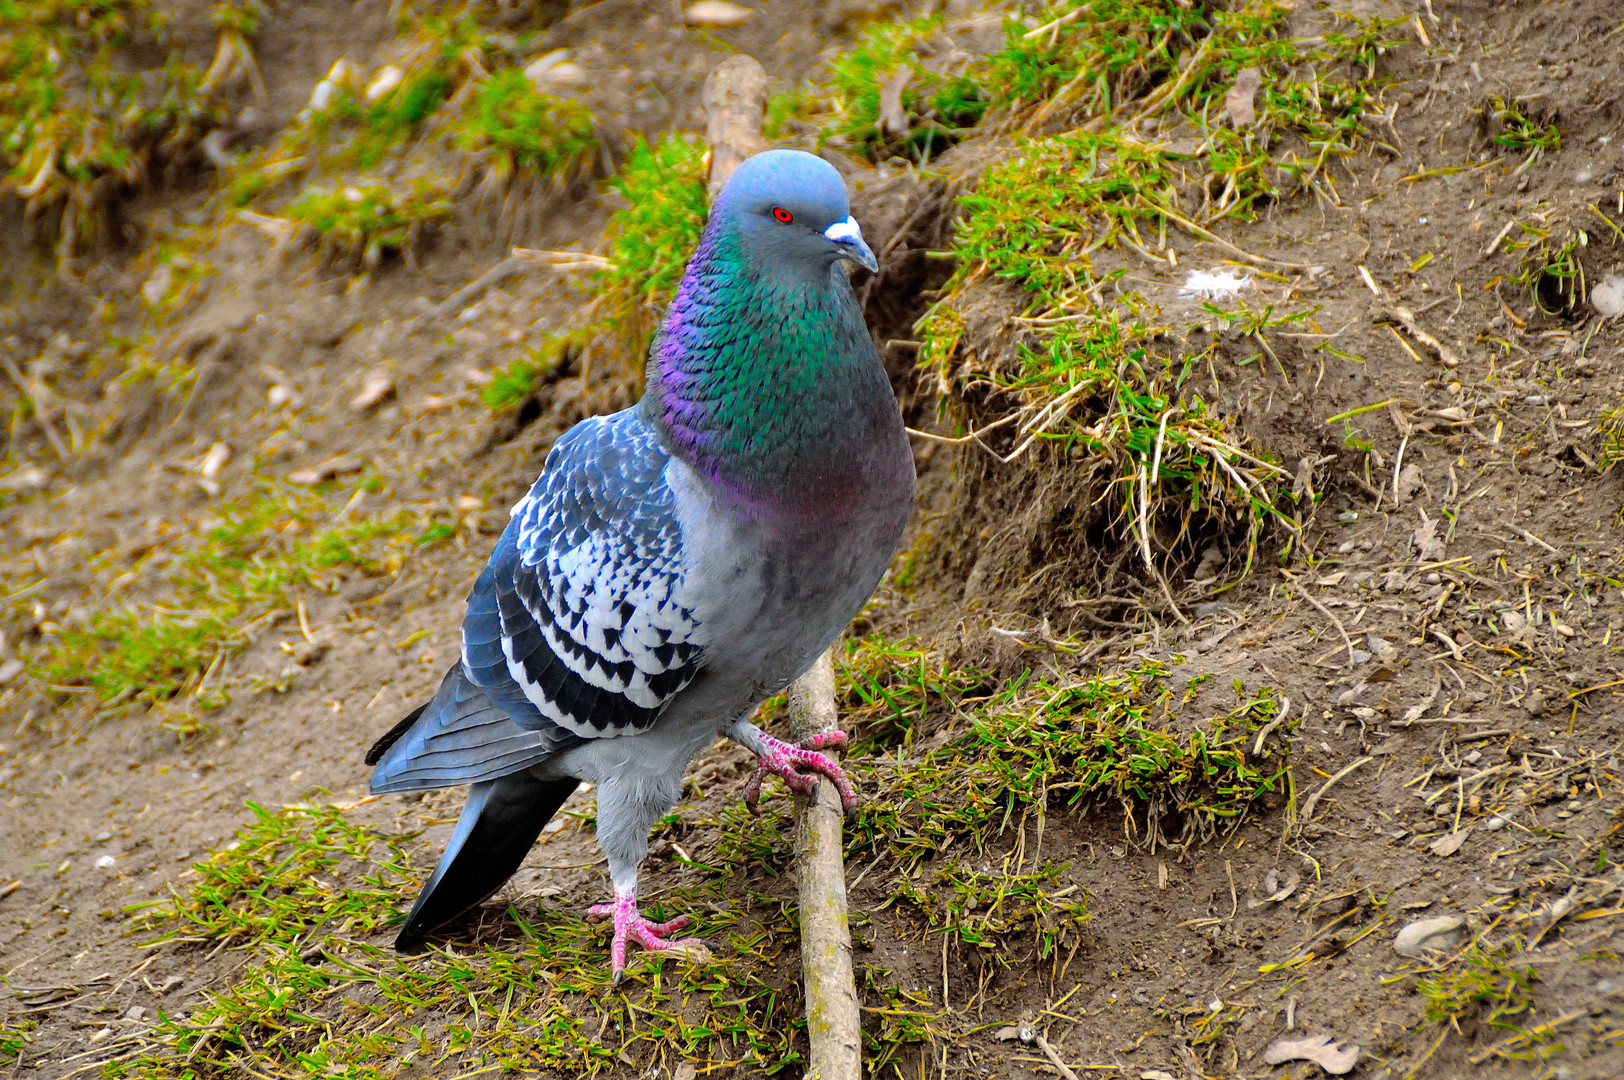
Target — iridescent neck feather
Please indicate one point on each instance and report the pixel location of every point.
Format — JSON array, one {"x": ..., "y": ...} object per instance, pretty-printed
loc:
[{"x": 767, "y": 381}]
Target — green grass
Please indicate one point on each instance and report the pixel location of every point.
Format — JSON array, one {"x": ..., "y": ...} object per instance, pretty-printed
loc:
[
  {"x": 939, "y": 107},
  {"x": 239, "y": 18},
  {"x": 278, "y": 881},
  {"x": 1550, "y": 270},
  {"x": 309, "y": 897},
  {"x": 1086, "y": 59},
  {"x": 521, "y": 128},
  {"x": 1520, "y": 127},
  {"x": 1013, "y": 755},
  {"x": 74, "y": 109},
  {"x": 1611, "y": 431},
  {"x": 1093, "y": 372},
  {"x": 354, "y": 133},
  {"x": 358, "y": 223},
  {"x": 986, "y": 910},
  {"x": 1037, "y": 748},
  {"x": 306, "y": 893},
  {"x": 502, "y": 125},
  {"x": 1485, "y": 986},
  {"x": 889, "y": 687},
  {"x": 511, "y": 386},
  {"x": 651, "y": 237},
  {"x": 14, "y": 1035},
  {"x": 245, "y": 566}
]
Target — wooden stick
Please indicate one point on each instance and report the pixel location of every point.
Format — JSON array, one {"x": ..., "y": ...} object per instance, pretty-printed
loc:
[
  {"x": 735, "y": 98},
  {"x": 832, "y": 1020}
]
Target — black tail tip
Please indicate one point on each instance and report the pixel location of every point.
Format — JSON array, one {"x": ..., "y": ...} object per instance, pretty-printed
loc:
[
  {"x": 392, "y": 736},
  {"x": 411, "y": 942}
]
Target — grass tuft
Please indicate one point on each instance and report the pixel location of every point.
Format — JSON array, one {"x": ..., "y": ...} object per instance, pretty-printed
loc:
[
  {"x": 1036, "y": 748},
  {"x": 1486, "y": 986},
  {"x": 80, "y": 118},
  {"x": 1154, "y": 154},
  {"x": 360, "y": 222},
  {"x": 937, "y": 107},
  {"x": 241, "y": 569},
  {"x": 1551, "y": 271},
  {"x": 1611, "y": 430},
  {"x": 305, "y": 892},
  {"x": 1521, "y": 126},
  {"x": 663, "y": 184},
  {"x": 14, "y": 1035},
  {"x": 278, "y": 880},
  {"x": 523, "y": 128}
]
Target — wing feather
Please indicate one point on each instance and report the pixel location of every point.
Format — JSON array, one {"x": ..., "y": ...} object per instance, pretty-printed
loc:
[{"x": 580, "y": 611}]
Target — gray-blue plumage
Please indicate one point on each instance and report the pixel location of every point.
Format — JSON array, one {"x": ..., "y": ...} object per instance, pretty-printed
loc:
[{"x": 652, "y": 587}]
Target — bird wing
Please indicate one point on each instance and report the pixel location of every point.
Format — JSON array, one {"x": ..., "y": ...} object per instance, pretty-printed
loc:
[
  {"x": 581, "y": 609},
  {"x": 460, "y": 736}
]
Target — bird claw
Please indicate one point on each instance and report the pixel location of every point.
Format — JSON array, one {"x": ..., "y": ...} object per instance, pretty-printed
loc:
[
  {"x": 630, "y": 925},
  {"x": 787, "y": 760}
]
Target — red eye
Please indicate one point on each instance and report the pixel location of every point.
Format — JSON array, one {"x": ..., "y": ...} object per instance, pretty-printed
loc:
[{"x": 783, "y": 215}]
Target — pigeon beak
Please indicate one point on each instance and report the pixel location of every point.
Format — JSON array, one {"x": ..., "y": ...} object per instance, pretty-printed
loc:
[{"x": 848, "y": 238}]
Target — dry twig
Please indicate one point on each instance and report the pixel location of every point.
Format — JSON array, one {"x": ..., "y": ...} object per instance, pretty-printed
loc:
[
  {"x": 1313, "y": 800},
  {"x": 1323, "y": 610}
]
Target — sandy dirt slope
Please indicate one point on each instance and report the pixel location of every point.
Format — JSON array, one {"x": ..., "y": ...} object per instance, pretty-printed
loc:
[{"x": 1447, "y": 633}]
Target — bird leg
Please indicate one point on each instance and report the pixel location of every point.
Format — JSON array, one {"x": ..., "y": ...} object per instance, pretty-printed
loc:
[
  {"x": 630, "y": 926},
  {"x": 798, "y": 765}
]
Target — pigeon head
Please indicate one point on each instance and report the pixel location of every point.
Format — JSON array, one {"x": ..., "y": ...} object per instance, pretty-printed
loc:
[{"x": 789, "y": 209}]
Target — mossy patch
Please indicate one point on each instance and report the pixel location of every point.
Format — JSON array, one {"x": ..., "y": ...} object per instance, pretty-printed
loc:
[
  {"x": 362, "y": 221},
  {"x": 242, "y": 567},
  {"x": 523, "y": 128},
  {"x": 76, "y": 123},
  {"x": 1155, "y": 154},
  {"x": 652, "y": 236}
]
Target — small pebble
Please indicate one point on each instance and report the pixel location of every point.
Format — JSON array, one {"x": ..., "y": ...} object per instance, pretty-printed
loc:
[
  {"x": 106, "y": 862},
  {"x": 1348, "y": 516},
  {"x": 1433, "y": 578},
  {"x": 1437, "y": 932},
  {"x": 1474, "y": 757},
  {"x": 1495, "y": 824},
  {"x": 135, "y": 1012},
  {"x": 1576, "y": 804},
  {"x": 1346, "y": 547},
  {"x": 103, "y": 836}
]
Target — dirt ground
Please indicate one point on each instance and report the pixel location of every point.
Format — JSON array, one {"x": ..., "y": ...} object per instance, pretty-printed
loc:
[{"x": 1443, "y": 632}]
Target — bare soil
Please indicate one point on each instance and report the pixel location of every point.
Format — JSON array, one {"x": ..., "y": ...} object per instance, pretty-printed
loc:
[{"x": 1505, "y": 453}]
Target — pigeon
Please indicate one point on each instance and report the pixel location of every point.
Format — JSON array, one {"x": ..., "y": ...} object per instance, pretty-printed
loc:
[{"x": 676, "y": 563}]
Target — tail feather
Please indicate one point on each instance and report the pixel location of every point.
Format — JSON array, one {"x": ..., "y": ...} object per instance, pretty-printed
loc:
[
  {"x": 392, "y": 736},
  {"x": 499, "y": 825}
]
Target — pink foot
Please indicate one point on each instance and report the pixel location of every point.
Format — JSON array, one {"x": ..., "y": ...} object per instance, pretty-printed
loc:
[
  {"x": 793, "y": 763},
  {"x": 631, "y": 926}
]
